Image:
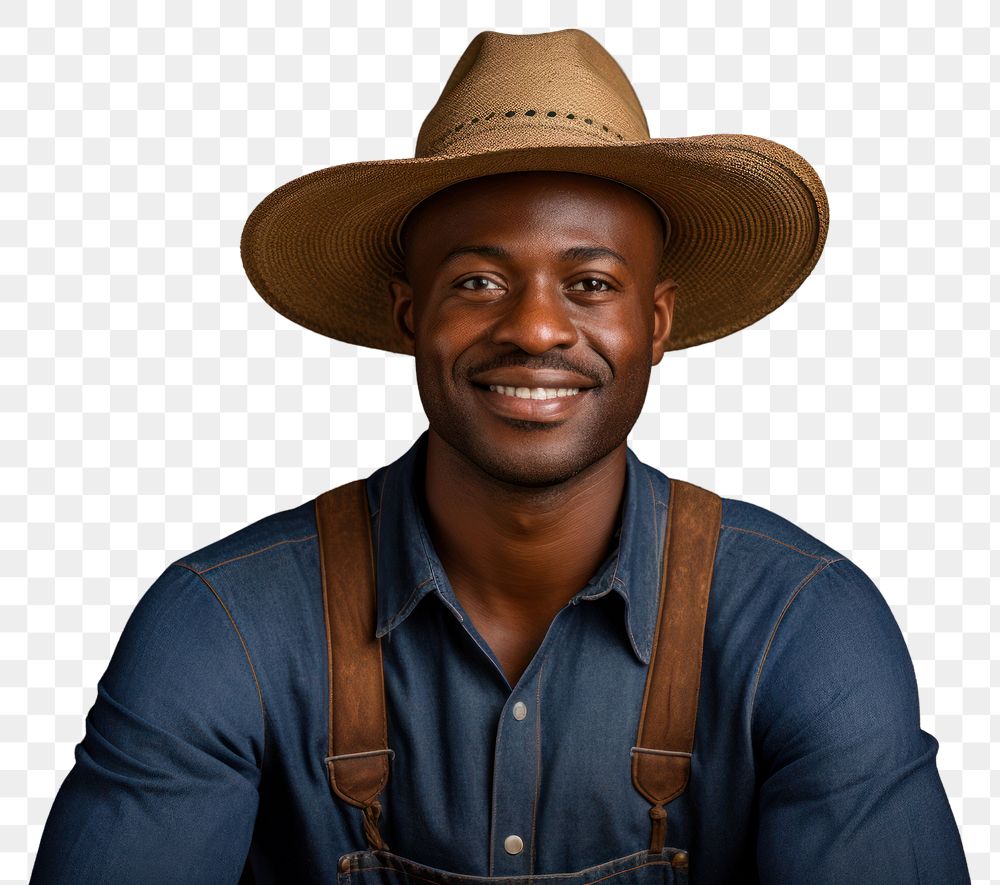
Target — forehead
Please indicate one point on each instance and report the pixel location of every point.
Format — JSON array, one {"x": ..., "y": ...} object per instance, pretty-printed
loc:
[{"x": 525, "y": 202}]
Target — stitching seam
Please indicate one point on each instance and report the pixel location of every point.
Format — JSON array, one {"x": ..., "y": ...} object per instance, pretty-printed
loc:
[
  {"x": 545, "y": 877},
  {"x": 774, "y": 630},
  {"x": 246, "y": 651},
  {"x": 652, "y": 491},
  {"x": 394, "y": 619},
  {"x": 538, "y": 768},
  {"x": 378, "y": 547},
  {"x": 737, "y": 528},
  {"x": 246, "y": 555}
]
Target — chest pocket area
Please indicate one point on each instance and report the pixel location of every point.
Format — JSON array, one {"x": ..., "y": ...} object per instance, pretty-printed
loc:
[{"x": 642, "y": 868}]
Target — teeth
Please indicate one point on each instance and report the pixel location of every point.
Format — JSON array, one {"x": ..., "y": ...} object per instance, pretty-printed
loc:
[{"x": 535, "y": 392}]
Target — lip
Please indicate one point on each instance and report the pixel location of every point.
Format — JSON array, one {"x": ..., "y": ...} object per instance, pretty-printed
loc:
[{"x": 521, "y": 409}]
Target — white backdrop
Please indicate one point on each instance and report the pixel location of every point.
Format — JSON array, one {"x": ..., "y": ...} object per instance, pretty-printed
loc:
[{"x": 150, "y": 402}]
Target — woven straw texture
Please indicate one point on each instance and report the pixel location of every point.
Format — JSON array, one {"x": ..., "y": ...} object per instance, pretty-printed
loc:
[{"x": 747, "y": 216}]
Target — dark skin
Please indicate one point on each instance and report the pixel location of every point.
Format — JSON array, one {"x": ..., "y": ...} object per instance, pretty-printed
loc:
[{"x": 524, "y": 495}]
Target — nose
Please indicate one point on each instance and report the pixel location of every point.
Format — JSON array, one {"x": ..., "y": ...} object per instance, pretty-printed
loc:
[{"x": 536, "y": 319}]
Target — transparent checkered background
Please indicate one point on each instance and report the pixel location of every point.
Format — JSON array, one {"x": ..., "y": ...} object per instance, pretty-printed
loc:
[{"x": 150, "y": 402}]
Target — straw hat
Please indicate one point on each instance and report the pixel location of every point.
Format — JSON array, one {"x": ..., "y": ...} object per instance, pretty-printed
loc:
[{"x": 747, "y": 217}]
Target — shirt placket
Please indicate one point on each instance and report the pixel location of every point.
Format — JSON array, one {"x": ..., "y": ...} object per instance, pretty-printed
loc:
[{"x": 516, "y": 779}]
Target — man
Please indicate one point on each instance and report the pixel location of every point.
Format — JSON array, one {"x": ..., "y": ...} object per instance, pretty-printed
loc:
[{"x": 469, "y": 664}]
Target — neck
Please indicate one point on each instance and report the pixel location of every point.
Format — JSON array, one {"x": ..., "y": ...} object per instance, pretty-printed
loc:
[{"x": 514, "y": 553}]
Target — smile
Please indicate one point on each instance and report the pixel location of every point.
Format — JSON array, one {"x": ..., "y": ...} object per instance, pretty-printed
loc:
[
  {"x": 535, "y": 392},
  {"x": 538, "y": 404}
]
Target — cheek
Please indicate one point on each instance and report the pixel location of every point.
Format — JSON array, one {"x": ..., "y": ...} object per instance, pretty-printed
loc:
[
  {"x": 624, "y": 339},
  {"x": 444, "y": 336}
]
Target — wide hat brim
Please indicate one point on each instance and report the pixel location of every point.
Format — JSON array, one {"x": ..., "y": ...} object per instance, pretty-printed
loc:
[{"x": 748, "y": 219}]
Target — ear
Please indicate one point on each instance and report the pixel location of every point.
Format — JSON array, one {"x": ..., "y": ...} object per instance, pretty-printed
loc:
[
  {"x": 663, "y": 316},
  {"x": 401, "y": 293}
]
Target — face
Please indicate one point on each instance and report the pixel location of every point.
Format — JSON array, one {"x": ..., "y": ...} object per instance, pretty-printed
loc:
[{"x": 536, "y": 283}]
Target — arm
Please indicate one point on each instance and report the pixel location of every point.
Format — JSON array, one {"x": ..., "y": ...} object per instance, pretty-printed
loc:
[
  {"x": 164, "y": 788},
  {"x": 849, "y": 788}
]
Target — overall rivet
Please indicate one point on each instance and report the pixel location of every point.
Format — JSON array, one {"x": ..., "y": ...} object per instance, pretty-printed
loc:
[{"x": 513, "y": 844}]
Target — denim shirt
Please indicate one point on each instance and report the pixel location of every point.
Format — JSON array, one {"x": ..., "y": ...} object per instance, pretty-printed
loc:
[{"x": 204, "y": 752}]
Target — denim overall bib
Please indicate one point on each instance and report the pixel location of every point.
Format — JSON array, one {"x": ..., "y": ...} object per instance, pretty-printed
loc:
[{"x": 358, "y": 755}]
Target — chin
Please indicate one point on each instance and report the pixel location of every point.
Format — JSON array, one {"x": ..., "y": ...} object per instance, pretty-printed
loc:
[
  {"x": 532, "y": 466},
  {"x": 531, "y": 473}
]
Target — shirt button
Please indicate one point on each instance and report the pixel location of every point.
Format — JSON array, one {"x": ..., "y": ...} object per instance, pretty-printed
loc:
[
  {"x": 513, "y": 844},
  {"x": 520, "y": 711}
]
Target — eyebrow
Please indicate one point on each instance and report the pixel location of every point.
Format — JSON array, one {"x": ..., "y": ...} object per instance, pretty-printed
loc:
[{"x": 574, "y": 253}]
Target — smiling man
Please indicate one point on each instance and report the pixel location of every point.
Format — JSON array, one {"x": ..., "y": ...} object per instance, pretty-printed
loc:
[
  {"x": 535, "y": 314},
  {"x": 518, "y": 651}
]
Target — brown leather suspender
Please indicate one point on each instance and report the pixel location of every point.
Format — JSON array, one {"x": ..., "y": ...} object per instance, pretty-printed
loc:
[
  {"x": 358, "y": 760},
  {"x": 661, "y": 761}
]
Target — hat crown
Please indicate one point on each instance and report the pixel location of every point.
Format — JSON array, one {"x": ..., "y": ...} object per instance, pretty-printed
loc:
[
  {"x": 526, "y": 90},
  {"x": 747, "y": 217}
]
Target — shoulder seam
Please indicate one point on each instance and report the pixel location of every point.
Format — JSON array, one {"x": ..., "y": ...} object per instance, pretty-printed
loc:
[
  {"x": 246, "y": 555},
  {"x": 737, "y": 528},
  {"x": 246, "y": 651},
  {"x": 826, "y": 563}
]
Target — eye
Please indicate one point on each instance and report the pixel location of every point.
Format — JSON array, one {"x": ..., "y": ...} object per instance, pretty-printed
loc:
[
  {"x": 589, "y": 288},
  {"x": 476, "y": 281}
]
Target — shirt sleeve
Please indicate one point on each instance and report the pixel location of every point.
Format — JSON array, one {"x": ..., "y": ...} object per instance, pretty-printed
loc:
[
  {"x": 164, "y": 787},
  {"x": 849, "y": 788}
]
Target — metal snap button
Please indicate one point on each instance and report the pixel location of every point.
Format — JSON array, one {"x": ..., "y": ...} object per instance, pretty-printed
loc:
[
  {"x": 520, "y": 711},
  {"x": 513, "y": 844},
  {"x": 345, "y": 864},
  {"x": 679, "y": 861}
]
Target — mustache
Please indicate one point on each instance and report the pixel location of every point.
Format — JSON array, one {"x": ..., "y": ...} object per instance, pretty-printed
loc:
[{"x": 553, "y": 361}]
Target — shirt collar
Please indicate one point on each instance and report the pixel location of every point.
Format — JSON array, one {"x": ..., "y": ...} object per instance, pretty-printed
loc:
[{"x": 408, "y": 568}]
